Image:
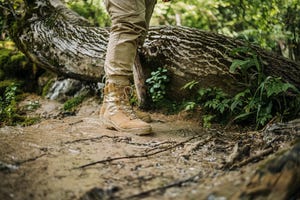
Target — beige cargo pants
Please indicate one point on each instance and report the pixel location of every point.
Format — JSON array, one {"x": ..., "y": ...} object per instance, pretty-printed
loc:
[{"x": 130, "y": 22}]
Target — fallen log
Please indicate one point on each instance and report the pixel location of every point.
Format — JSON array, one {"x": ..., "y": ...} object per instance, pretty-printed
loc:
[{"x": 59, "y": 40}]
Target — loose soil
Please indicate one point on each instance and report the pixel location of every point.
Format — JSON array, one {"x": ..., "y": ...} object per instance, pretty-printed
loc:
[{"x": 75, "y": 157}]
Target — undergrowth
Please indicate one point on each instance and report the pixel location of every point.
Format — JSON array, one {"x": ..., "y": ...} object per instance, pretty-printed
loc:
[
  {"x": 157, "y": 84},
  {"x": 9, "y": 112},
  {"x": 8, "y": 104},
  {"x": 263, "y": 99},
  {"x": 157, "y": 90},
  {"x": 72, "y": 103}
]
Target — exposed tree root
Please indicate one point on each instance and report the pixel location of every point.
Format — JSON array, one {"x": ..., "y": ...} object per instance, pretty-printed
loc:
[
  {"x": 137, "y": 156},
  {"x": 257, "y": 157},
  {"x": 115, "y": 138},
  {"x": 99, "y": 193},
  {"x": 11, "y": 167},
  {"x": 164, "y": 188},
  {"x": 30, "y": 159}
]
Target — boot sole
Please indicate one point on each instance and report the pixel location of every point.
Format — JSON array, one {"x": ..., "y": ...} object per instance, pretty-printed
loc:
[{"x": 136, "y": 131}]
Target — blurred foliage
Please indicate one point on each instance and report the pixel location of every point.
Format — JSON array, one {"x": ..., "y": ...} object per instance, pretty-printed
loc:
[
  {"x": 272, "y": 24},
  {"x": 93, "y": 10},
  {"x": 17, "y": 76},
  {"x": 15, "y": 65},
  {"x": 71, "y": 104},
  {"x": 8, "y": 105},
  {"x": 10, "y": 114}
]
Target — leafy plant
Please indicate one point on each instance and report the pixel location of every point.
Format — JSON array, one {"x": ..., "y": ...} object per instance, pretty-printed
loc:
[
  {"x": 33, "y": 105},
  {"x": 190, "y": 85},
  {"x": 215, "y": 103},
  {"x": 157, "y": 84},
  {"x": 207, "y": 119},
  {"x": 71, "y": 104},
  {"x": 262, "y": 99},
  {"x": 9, "y": 111},
  {"x": 189, "y": 105},
  {"x": 265, "y": 97},
  {"x": 8, "y": 105}
]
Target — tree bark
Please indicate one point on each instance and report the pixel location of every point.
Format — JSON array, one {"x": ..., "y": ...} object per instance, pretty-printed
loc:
[{"x": 59, "y": 40}]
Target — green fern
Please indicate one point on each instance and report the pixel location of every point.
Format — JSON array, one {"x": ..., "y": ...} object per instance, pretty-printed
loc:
[{"x": 263, "y": 98}]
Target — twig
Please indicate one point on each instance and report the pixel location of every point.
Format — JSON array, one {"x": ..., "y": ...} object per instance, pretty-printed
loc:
[
  {"x": 135, "y": 156},
  {"x": 127, "y": 140},
  {"x": 193, "y": 147},
  {"x": 18, "y": 163},
  {"x": 255, "y": 157},
  {"x": 94, "y": 138},
  {"x": 237, "y": 153},
  {"x": 160, "y": 145},
  {"x": 77, "y": 122},
  {"x": 163, "y": 188}
]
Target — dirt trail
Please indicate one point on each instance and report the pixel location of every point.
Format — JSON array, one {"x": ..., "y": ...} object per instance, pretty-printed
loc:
[{"x": 179, "y": 160}]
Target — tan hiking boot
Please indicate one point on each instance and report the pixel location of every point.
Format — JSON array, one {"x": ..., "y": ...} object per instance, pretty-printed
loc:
[{"x": 116, "y": 112}]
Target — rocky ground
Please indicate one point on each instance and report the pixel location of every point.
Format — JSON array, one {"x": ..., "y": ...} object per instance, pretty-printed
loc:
[{"x": 75, "y": 157}]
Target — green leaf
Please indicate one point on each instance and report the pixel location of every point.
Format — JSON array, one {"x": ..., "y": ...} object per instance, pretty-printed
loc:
[
  {"x": 241, "y": 64},
  {"x": 242, "y": 116},
  {"x": 275, "y": 86},
  {"x": 189, "y": 106},
  {"x": 190, "y": 85}
]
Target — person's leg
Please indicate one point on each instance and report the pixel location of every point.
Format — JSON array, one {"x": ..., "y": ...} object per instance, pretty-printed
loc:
[
  {"x": 150, "y": 4},
  {"x": 128, "y": 26}
]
